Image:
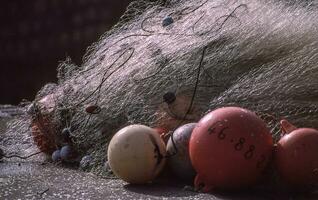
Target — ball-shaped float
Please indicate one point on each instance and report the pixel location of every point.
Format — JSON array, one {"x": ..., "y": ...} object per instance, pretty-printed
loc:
[
  {"x": 136, "y": 154},
  {"x": 167, "y": 21},
  {"x": 229, "y": 149},
  {"x": 56, "y": 155},
  {"x": 86, "y": 162},
  {"x": 296, "y": 157},
  {"x": 67, "y": 153},
  {"x": 178, "y": 151}
]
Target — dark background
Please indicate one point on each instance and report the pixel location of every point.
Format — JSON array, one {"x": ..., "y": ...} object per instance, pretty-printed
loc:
[{"x": 36, "y": 34}]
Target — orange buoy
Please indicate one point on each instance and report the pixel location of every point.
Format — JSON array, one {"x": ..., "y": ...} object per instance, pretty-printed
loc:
[
  {"x": 296, "y": 156},
  {"x": 229, "y": 149}
]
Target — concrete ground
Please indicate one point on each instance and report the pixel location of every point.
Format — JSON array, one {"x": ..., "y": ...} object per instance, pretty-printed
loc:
[{"x": 37, "y": 180}]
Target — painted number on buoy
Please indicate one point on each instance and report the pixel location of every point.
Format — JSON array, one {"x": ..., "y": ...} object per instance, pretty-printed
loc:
[{"x": 238, "y": 146}]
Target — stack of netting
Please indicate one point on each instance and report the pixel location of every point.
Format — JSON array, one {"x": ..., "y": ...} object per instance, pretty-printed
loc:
[{"x": 256, "y": 55}]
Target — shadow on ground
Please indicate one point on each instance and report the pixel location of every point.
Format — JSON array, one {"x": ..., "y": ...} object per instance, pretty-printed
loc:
[{"x": 160, "y": 189}]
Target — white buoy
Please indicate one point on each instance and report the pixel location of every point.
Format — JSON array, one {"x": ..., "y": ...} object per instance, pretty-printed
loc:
[{"x": 136, "y": 154}]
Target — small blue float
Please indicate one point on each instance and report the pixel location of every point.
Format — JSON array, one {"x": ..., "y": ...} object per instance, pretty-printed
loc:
[
  {"x": 167, "y": 21},
  {"x": 86, "y": 162},
  {"x": 67, "y": 153},
  {"x": 56, "y": 155}
]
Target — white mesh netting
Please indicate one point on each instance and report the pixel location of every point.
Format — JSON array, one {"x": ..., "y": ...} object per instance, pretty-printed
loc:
[{"x": 260, "y": 55}]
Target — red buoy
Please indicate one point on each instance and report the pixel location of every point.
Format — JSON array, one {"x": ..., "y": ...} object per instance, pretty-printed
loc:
[
  {"x": 229, "y": 149},
  {"x": 296, "y": 156}
]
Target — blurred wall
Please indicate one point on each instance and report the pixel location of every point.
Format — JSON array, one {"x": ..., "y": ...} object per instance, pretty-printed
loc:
[{"x": 36, "y": 34}]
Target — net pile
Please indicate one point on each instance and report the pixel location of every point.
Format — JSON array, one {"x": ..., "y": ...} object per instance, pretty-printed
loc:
[{"x": 260, "y": 55}]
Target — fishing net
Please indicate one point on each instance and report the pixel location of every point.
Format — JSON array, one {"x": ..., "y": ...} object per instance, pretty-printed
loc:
[{"x": 260, "y": 55}]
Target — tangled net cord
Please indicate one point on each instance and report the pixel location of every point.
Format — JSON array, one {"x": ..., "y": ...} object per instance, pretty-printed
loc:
[
  {"x": 100, "y": 89},
  {"x": 226, "y": 17},
  {"x": 105, "y": 76}
]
